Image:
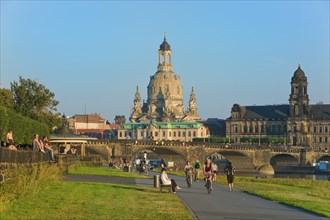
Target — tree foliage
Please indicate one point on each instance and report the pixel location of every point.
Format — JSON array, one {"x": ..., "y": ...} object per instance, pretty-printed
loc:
[
  {"x": 23, "y": 128},
  {"x": 35, "y": 101},
  {"x": 6, "y": 98}
]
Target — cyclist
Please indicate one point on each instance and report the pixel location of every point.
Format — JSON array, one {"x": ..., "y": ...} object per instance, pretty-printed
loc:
[
  {"x": 188, "y": 171},
  {"x": 208, "y": 172}
]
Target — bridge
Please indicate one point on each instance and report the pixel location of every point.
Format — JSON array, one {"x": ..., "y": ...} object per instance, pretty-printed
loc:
[{"x": 244, "y": 157}]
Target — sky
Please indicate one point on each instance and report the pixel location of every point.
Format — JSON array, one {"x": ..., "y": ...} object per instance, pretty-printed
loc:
[{"x": 93, "y": 54}]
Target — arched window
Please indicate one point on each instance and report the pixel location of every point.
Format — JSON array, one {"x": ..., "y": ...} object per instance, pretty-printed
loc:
[
  {"x": 189, "y": 133},
  {"x": 279, "y": 128},
  {"x": 256, "y": 128},
  {"x": 250, "y": 128},
  {"x": 236, "y": 129},
  {"x": 245, "y": 128},
  {"x": 296, "y": 112},
  {"x": 156, "y": 133},
  {"x": 179, "y": 134}
]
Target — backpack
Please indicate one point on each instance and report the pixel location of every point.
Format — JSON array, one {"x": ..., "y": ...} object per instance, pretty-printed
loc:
[{"x": 197, "y": 165}]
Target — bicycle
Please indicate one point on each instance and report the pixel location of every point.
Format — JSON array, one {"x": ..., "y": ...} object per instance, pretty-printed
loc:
[{"x": 208, "y": 184}]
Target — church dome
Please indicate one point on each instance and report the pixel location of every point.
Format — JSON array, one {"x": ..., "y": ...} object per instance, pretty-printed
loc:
[
  {"x": 165, "y": 84},
  {"x": 299, "y": 73}
]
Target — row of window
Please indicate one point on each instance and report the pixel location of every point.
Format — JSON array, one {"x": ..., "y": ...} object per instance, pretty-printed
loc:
[
  {"x": 261, "y": 128},
  {"x": 321, "y": 140},
  {"x": 277, "y": 128},
  {"x": 320, "y": 129},
  {"x": 155, "y": 134}
]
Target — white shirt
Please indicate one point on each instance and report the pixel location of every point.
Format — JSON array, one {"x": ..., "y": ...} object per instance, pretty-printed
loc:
[{"x": 165, "y": 179}]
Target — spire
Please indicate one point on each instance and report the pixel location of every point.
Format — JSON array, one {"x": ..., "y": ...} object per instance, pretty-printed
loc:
[
  {"x": 299, "y": 66},
  {"x": 192, "y": 108},
  {"x": 137, "y": 95},
  {"x": 192, "y": 95},
  {"x": 164, "y": 36}
]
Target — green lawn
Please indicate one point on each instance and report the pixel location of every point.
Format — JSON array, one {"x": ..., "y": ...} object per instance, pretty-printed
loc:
[
  {"x": 77, "y": 200},
  {"x": 312, "y": 195},
  {"x": 102, "y": 171}
]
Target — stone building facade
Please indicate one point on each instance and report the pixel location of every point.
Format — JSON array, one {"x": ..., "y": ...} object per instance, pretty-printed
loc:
[
  {"x": 298, "y": 123},
  {"x": 176, "y": 131}
]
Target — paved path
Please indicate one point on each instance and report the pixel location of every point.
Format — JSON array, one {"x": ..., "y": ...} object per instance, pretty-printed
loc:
[{"x": 220, "y": 204}]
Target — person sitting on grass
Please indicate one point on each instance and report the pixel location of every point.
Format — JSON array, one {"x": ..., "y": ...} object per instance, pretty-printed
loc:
[
  {"x": 167, "y": 181},
  {"x": 37, "y": 145},
  {"x": 48, "y": 149}
]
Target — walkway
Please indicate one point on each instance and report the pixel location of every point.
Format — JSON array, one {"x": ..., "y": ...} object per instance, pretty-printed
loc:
[{"x": 220, "y": 204}]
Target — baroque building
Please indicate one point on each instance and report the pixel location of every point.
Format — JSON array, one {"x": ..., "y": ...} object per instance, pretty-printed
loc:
[
  {"x": 165, "y": 94},
  {"x": 297, "y": 123},
  {"x": 162, "y": 116}
]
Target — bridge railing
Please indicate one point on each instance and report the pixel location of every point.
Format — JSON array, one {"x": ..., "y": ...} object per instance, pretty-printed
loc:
[{"x": 236, "y": 146}]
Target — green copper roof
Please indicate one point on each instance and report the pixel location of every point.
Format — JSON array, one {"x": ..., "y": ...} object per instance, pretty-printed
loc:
[{"x": 162, "y": 125}]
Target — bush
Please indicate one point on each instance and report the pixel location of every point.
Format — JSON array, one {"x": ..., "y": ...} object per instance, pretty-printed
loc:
[{"x": 23, "y": 128}]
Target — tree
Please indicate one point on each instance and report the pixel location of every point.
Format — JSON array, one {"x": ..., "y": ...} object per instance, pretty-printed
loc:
[
  {"x": 6, "y": 98},
  {"x": 34, "y": 100},
  {"x": 120, "y": 119}
]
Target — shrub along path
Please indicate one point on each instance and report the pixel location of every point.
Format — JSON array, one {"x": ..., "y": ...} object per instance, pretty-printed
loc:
[{"x": 220, "y": 204}]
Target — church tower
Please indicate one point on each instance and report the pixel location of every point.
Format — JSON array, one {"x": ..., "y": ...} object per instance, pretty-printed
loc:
[
  {"x": 297, "y": 123},
  {"x": 192, "y": 109},
  {"x": 299, "y": 97},
  {"x": 137, "y": 110}
]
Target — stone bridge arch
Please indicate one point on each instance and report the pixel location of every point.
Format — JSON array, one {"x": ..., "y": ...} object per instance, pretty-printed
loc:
[
  {"x": 242, "y": 161},
  {"x": 284, "y": 159},
  {"x": 166, "y": 153}
]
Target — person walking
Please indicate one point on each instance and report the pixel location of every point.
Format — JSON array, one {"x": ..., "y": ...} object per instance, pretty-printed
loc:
[
  {"x": 197, "y": 167},
  {"x": 215, "y": 171},
  {"x": 230, "y": 176}
]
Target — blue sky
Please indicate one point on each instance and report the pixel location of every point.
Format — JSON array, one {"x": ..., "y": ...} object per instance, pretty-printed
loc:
[{"x": 95, "y": 53}]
